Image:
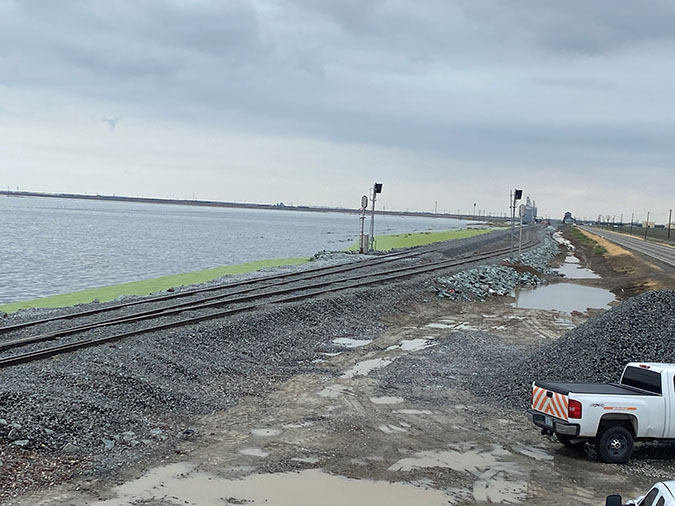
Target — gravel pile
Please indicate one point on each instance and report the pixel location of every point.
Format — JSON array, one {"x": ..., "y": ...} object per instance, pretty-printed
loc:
[
  {"x": 487, "y": 280},
  {"x": 445, "y": 365},
  {"x": 642, "y": 329}
]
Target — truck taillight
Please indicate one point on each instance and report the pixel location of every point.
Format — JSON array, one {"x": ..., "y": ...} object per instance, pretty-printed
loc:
[{"x": 574, "y": 409}]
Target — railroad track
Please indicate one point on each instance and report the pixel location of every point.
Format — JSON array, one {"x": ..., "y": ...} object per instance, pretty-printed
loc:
[
  {"x": 665, "y": 254},
  {"x": 245, "y": 299}
]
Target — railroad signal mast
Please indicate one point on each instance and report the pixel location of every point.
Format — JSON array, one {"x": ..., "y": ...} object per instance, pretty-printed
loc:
[
  {"x": 377, "y": 188},
  {"x": 514, "y": 196},
  {"x": 363, "y": 239}
]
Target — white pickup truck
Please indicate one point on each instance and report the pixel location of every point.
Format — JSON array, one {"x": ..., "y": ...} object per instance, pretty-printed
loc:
[
  {"x": 640, "y": 407},
  {"x": 661, "y": 494}
]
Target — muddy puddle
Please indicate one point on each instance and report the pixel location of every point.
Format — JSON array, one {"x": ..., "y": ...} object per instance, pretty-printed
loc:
[
  {"x": 572, "y": 269},
  {"x": 181, "y": 484},
  {"x": 564, "y": 297}
]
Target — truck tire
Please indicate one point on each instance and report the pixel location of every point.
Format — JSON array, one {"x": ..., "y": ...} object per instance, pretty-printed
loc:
[
  {"x": 614, "y": 444},
  {"x": 567, "y": 441}
]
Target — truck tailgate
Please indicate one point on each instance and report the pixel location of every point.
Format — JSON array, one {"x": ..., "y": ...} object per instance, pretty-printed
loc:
[{"x": 549, "y": 402}]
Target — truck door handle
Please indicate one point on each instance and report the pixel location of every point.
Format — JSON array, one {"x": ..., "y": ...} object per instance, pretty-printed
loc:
[{"x": 549, "y": 394}]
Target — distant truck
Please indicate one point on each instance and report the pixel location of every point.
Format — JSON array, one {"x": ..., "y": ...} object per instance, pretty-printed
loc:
[{"x": 611, "y": 416}]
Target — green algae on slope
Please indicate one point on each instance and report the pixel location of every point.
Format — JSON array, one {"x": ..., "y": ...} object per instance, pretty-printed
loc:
[
  {"x": 147, "y": 286},
  {"x": 394, "y": 241}
]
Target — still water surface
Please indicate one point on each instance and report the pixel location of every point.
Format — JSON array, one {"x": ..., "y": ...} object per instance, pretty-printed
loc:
[{"x": 51, "y": 246}]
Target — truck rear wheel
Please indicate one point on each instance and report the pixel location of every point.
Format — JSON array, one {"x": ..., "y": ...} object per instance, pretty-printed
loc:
[
  {"x": 567, "y": 441},
  {"x": 614, "y": 444}
]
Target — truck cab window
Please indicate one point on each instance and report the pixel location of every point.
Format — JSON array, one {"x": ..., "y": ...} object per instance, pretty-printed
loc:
[
  {"x": 650, "y": 497},
  {"x": 661, "y": 502}
]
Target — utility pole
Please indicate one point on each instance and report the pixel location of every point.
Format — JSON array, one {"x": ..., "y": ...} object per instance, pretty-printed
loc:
[
  {"x": 670, "y": 219},
  {"x": 377, "y": 188},
  {"x": 620, "y": 222},
  {"x": 647, "y": 225},
  {"x": 474, "y": 209},
  {"x": 632, "y": 218},
  {"x": 436, "y": 207}
]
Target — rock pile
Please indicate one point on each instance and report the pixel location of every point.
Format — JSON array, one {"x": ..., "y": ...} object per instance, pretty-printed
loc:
[
  {"x": 486, "y": 280},
  {"x": 642, "y": 329},
  {"x": 482, "y": 281}
]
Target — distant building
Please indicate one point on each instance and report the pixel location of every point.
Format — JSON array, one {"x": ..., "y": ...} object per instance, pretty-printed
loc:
[
  {"x": 568, "y": 218},
  {"x": 530, "y": 215}
]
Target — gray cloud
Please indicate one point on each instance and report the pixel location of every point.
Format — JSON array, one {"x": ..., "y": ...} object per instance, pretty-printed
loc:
[{"x": 520, "y": 83}]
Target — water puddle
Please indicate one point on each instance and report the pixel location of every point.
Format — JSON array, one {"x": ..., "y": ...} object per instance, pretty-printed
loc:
[
  {"x": 348, "y": 342},
  {"x": 498, "y": 481},
  {"x": 365, "y": 367},
  {"x": 415, "y": 344},
  {"x": 453, "y": 326},
  {"x": 439, "y": 325},
  {"x": 307, "y": 460},
  {"x": 470, "y": 461},
  {"x": 533, "y": 452},
  {"x": 179, "y": 484},
  {"x": 572, "y": 270},
  {"x": 386, "y": 400},
  {"x": 254, "y": 452},
  {"x": 391, "y": 429},
  {"x": 266, "y": 432},
  {"x": 297, "y": 425},
  {"x": 564, "y": 297}
]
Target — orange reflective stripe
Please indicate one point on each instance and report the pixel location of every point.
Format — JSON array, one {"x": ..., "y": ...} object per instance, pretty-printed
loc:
[
  {"x": 555, "y": 405},
  {"x": 537, "y": 395},
  {"x": 561, "y": 406}
]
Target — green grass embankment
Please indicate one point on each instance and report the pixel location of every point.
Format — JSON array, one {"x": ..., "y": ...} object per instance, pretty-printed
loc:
[
  {"x": 147, "y": 286},
  {"x": 581, "y": 238},
  {"x": 394, "y": 241}
]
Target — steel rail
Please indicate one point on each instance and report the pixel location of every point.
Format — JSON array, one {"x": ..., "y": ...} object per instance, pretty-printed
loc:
[
  {"x": 282, "y": 279},
  {"x": 209, "y": 302},
  {"x": 338, "y": 285}
]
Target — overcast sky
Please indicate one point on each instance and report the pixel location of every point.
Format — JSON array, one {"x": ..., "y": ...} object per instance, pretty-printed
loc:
[{"x": 311, "y": 101}]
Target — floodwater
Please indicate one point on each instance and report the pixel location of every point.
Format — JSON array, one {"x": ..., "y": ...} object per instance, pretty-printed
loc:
[
  {"x": 499, "y": 480},
  {"x": 180, "y": 484},
  {"x": 52, "y": 246},
  {"x": 572, "y": 270},
  {"x": 364, "y": 368},
  {"x": 564, "y": 297}
]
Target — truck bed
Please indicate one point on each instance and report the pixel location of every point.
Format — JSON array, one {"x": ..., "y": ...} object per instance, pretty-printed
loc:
[{"x": 591, "y": 388}]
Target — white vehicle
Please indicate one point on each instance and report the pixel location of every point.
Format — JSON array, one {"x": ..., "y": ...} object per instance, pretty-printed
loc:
[
  {"x": 661, "y": 494},
  {"x": 640, "y": 407}
]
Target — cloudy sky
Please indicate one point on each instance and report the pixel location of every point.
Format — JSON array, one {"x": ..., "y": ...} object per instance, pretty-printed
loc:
[{"x": 311, "y": 101}]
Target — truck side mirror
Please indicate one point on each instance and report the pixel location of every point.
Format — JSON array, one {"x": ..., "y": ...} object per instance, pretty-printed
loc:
[{"x": 613, "y": 500}]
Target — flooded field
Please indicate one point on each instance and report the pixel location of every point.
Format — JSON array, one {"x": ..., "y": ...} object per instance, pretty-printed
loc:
[{"x": 53, "y": 246}]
